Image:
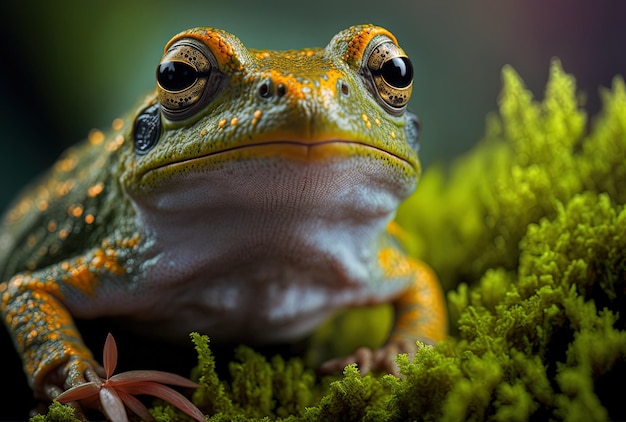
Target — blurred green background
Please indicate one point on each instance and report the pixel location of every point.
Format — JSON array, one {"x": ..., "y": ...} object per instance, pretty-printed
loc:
[{"x": 70, "y": 66}]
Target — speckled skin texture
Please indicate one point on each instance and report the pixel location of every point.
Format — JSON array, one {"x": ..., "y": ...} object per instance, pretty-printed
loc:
[{"x": 265, "y": 205}]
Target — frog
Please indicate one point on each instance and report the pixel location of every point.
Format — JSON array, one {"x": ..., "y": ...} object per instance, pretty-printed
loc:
[{"x": 250, "y": 197}]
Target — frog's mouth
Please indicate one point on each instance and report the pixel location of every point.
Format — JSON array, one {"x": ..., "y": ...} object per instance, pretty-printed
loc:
[
  {"x": 314, "y": 177},
  {"x": 334, "y": 149}
]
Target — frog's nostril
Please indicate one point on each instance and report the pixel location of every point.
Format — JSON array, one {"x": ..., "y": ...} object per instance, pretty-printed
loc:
[
  {"x": 266, "y": 89},
  {"x": 342, "y": 86},
  {"x": 281, "y": 90}
]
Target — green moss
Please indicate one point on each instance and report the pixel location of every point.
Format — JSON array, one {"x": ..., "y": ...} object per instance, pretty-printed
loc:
[
  {"x": 535, "y": 156},
  {"x": 257, "y": 388},
  {"x": 57, "y": 413},
  {"x": 527, "y": 234}
]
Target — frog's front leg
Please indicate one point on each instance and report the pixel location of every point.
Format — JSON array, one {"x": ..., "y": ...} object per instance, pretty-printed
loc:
[
  {"x": 420, "y": 315},
  {"x": 36, "y": 309},
  {"x": 420, "y": 310}
]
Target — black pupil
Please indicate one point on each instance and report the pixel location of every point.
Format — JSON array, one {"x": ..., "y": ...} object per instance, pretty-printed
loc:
[
  {"x": 397, "y": 72},
  {"x": 176, "y": 76}
]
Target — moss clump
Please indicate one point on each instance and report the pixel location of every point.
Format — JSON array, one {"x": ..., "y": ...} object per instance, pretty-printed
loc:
[
  {"x": 534, "y": 157},
  {"x": 257, "y": 388},
  {"x": 527, "y": 233}
]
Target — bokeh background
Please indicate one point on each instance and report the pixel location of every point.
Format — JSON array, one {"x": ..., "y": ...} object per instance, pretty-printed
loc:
[{"x": 70, "y": 66}]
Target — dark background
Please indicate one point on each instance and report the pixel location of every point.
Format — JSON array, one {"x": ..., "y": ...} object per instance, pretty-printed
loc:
[{"x": 70, "y": 66}]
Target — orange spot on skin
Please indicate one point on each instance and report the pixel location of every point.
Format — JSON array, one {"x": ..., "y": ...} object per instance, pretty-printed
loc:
[
  {"x": 117, "y": 124},
  {"x": 115, "y": 143},
  {"x": 128, "y": 242},
  {"x": 63, "y": 188},
  {"x": 234, "y": 121},
  {"x": 42, "y": 205},
  {"x": 366, "y": 120},
  {"x": 75, "y": 210},
  {"x": 54, "y": 248},
  {"x": 107, "y": 260},
  {"x": 20, "y": 209},
  {"x": 95, "y": 190},
  {"x": 90, "y": 218},
  {"x": 66, "y": 164},
  {"x": 256, "y": 116},
  {"x": 31, "y": 241},
  {"x": 222, "y": 123},
  {"x": 95, "y": 137},
  {"x": 52, "y": 226}
]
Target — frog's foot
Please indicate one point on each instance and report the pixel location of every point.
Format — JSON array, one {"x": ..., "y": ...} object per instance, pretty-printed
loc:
[
  {"x": 373, "y": 360},
  {"x": 75, "y": 371}
]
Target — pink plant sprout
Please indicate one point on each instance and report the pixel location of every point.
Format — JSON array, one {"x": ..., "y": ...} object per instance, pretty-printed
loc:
[{"x": 116, "y": 392}]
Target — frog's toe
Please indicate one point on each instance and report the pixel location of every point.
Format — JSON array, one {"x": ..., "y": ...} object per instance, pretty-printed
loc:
[
  {"x": 367, "y": 360},
  {"x": 81, "y": 371},
  {"x": 372, "y": 360},
  {"x": 75, "y": 371},
  {"x": 336, "y": 365}
]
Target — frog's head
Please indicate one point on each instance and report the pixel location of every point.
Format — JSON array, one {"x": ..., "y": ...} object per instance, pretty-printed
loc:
[{"x": 235, "y": 127}]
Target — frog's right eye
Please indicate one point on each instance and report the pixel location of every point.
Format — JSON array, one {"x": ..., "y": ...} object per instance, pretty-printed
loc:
[
  {"x": 187, "y": 78},
  {"x": 389, "y": 74}
]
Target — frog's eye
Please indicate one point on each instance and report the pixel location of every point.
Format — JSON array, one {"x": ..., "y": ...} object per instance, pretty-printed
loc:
[
  {"x": 390, "y": 72},
  {"x": 187, "y": 78}
]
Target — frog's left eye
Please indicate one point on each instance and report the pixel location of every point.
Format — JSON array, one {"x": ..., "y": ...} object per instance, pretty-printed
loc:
[
  {"x": 187, "y": 78},
  {"x": 390, "y": 72}
]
